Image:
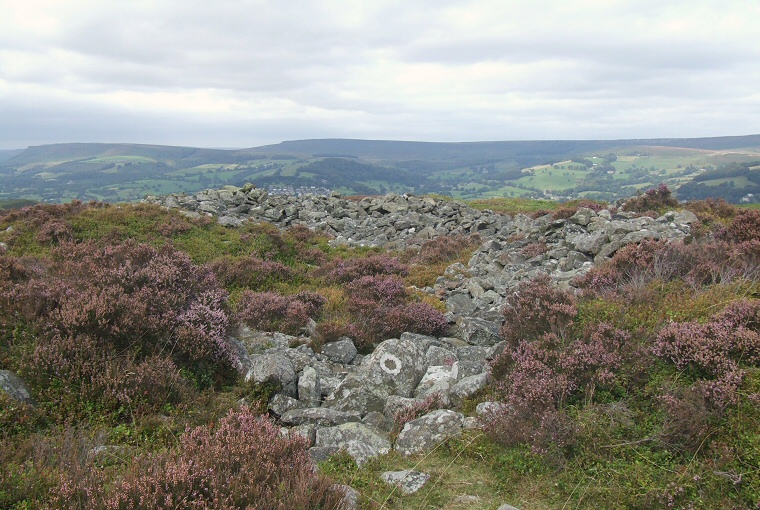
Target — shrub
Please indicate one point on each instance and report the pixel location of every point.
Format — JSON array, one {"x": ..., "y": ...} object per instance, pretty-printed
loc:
[
  {"x": 381, "y": 290},
  {"x": 548, "y": 364},
  {"x": 446, "y": 248},
  {"x": 713, "y": 353},
  {"x": 96, "y": 315},
  {"x": 343, "y": 271},
  {"x": 537, "y": 308},
  {"x": 745, "y": 227},
  {"x": 539, "y": 377},
  {"x": 380, "y": 309},
  {"x": 242, "y": 462},
  {"x": 249, "y": 272},
  {"x": 711, "y": 212},
  {"x": 270, "y": 311},
  {"x": 699, "y": 264},
  {"x": 82, "y": 376},
  {"x": 655, "y": 200},
  {"x": 534, "y": 249},
  {"x": 138, "y": 297}
]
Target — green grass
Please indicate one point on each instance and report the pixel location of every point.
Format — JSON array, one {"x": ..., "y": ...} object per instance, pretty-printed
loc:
[{"x": 617, "y": 459}]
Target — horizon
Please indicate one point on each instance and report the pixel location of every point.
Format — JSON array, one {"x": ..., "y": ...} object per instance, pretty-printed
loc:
[{"x": 643, "y": 139}]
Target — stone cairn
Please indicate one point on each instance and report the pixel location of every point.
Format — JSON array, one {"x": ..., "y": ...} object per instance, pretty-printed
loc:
[{"x": 340, "y": 400}]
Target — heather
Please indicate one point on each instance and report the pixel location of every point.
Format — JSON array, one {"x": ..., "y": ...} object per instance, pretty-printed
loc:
[
  {"x": 118, "y": 317},
  {"x": 647, "y": 378},
  {"x": 636, "y": 387}
]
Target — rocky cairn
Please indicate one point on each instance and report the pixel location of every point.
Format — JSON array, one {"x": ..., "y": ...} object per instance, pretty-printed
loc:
[{"x": 340, "y": 400}]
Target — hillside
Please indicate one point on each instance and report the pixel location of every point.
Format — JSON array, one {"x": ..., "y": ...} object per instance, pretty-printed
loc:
[
  {"x": 218, "y": 347},
  {"x": 597, "y": 169}
]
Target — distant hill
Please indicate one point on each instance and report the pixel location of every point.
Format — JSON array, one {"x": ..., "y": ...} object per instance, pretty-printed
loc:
[
  {"x": 6, "y": 154},
  {"x": 535, "y": 150},
  {"x": 603, "y": 169}
]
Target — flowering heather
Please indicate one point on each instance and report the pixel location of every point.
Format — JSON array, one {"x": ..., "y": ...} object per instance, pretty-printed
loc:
[
  {"x": 446, "y": 248},
  {"x": 379, "y": 289},
  {"x": 653, "y": 200},
  {"x": 548, "y": 364},
  {"x": 115, "y": 325},
  {"x": 700, "y": 264},
  {"x": 380, "y": 309},
  {"x": 713, "y": 353},
  {"x": 249, "y": 272},
  {"x": 535, "y": 309},
  {"x": 241, "y": 462},
  {"x": 342, "y": 271},
  {"x": 270, "y": 311},
  {"x": 534, "y": 249}
]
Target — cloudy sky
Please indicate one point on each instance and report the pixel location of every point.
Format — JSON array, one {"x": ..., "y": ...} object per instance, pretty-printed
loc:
[{"x": 216, "y": 73}]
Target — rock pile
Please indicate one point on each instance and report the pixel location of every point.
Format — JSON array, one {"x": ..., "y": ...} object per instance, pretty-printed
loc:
[
  {"x": 339, "y": 399},
  {"x": 371, "y": 221}
]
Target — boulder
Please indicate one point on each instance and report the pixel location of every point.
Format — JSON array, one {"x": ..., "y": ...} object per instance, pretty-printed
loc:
[
  {"x": 281, "y": 404},
  {"x": 309, "y": 389},
  {"x": 275, "y": 368},
  {"x": 467, "y": 387},
  {"x": 394, "y": 368},
  {"x": 360, "y": 441},
  {"x": 477, "y": 331},
  {"x": 14, "y": 387},
  {"x": 318, "y": 416},
  {"x": 426, "y": 432},
  {"x": 343, "y": 351},
  {"x": 394, "y": 404},
  {"x": 407, "y": 481},
  {"x": 437, "y": 380}
]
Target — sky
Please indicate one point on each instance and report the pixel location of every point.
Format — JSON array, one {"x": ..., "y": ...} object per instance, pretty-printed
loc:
[{"x": 216, "y": 73}]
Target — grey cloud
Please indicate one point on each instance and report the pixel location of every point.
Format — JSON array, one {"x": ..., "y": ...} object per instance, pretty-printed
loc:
[{"x": 360, "y": 69}]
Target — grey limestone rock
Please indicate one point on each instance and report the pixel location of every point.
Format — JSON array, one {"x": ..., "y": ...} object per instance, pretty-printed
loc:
[
  {"x": 14, "y": 387},
  {"x": 309, "y": 389},
  {"x": 467, "y": 387},
  {"x": 394, "y": 404},
  {"x": 280, "y": 404},
  {"x": 359, "y": 440},
  {"x": 476, "y": 331},
  {"x": 275, "y": 368},
  {"x": 407, "y": 481},
  {"x": 350, "y": 499},
  {"x": 394, "y": 368},
  {"x": 318, "y": 416},
  {"x": 426, "y": 432},
  {"x": 438, "y": 379},
  {"x": 342, "y": 351}
]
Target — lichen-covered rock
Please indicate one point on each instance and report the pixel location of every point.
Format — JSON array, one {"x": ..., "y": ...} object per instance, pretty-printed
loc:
[
  {"x": 14, "y": 387},
  {"x": 477, "y": 331},
  {"x": 467, "y": 387},
  {"x": 341, "y": 351},
  {"x": 438, "y": 380},
  {"x": 275, "y": 368},
  {"x": 359, "y": 440},
  {"x": 281, "y": 404},
  {"x": 318, "y": 416},
  {"x": 407, "y": 481},
  {"x": 427, "y": 432},
  {"x": 394, "y": 368},
  {"x": 309, "y": 389}
]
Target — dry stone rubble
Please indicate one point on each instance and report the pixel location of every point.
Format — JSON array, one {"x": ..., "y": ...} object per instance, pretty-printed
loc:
[{"x": 349, "y": 401}]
